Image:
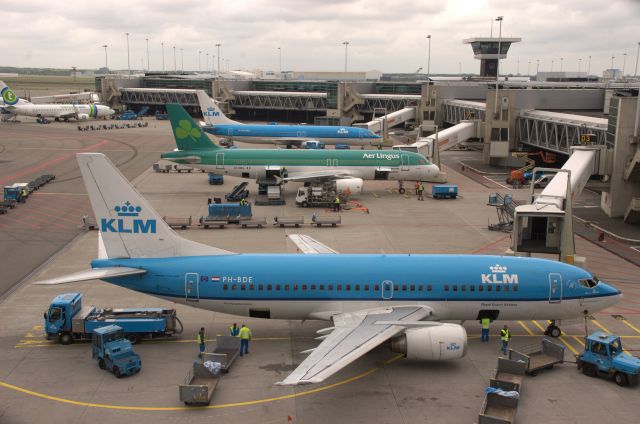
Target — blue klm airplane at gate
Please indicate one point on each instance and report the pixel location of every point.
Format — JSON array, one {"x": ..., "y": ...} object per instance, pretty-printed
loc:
[
  {"x": 290, "y": 135},
  {"x": 368, "y": 298}
]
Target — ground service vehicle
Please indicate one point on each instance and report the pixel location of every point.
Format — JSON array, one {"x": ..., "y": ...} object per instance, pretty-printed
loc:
[
  {"x": 603, "y": 355},
  {"x": 113, "y": 352},
  {"x": 537, "y": 357},
  {"x": 67, "y": 320},
  {"x": 324, "y": 194}
]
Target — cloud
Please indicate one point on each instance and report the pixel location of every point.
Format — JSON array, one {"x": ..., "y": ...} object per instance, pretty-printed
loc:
[{"x": 390, "y": 36}]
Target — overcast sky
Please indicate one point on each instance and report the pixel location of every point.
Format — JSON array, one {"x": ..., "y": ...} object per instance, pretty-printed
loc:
[{"x": 389, "y": 36}]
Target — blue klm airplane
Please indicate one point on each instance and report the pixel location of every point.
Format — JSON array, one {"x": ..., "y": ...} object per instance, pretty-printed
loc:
[
  {"x": 368, "y": 298},
  {"x": 290, "y": 135}
]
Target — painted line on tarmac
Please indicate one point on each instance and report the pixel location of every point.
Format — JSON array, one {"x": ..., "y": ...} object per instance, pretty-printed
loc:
[
  {"x": 50, "y": 162},
  {"x": 531, "y": 333},
  {"x": 566, "y": 343},
  {"x": 497, "y": 183},
  {"x": 631, "y": 326},
  {"x": 186, "y": 408}
]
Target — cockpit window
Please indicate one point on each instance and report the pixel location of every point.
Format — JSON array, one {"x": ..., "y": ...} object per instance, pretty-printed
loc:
[{"x": 589, "y": 282}]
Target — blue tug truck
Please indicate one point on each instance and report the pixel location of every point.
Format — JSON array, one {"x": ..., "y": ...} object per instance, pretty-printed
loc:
[{"x": 67, "y": 320}]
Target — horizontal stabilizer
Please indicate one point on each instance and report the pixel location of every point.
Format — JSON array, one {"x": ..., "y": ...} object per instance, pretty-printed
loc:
[
  {"x": 93, "y": 274},
  {"x": 325, "y": 330},
  {"x": 308, "y": 351}
]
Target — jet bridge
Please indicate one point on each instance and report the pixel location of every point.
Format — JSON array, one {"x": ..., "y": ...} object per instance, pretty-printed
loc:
[
  {"x": 546, "y": 225},
  {"x": 430, "y": 146},
  {"x": 381, "y": 124}
]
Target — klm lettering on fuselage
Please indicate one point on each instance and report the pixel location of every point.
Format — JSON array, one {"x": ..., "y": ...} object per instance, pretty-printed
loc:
[
  {"x": 499, "y": 275},
  {"x": 128, "y": 221}
]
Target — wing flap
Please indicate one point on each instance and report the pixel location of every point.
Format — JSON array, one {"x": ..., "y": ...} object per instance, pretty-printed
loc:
[
  {"x": 309, "y": 245},
  {"x": 355, "y": 334},
  {"x": 93, "y": 274}
]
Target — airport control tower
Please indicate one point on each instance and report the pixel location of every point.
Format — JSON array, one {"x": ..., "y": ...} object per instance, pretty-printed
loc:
[{"x": 486, "y": 49}]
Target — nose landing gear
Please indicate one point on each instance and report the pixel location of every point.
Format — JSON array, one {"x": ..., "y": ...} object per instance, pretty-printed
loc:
[{"x": 553, "y": 330}]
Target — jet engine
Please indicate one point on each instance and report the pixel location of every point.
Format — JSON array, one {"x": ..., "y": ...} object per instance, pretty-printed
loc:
[
  {"x": 350, "y": 185},
  {"x": 83, "y": 116},
  {"x": 438, "y": 343}
]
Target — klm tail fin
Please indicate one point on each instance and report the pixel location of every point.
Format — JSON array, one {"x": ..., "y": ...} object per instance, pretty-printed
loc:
[
  {"x": 129, "y": 226},
  {"x": 9, "y": 98},
  {"x": 187, "y": 132},
  {"x": 211, "y": 112}
]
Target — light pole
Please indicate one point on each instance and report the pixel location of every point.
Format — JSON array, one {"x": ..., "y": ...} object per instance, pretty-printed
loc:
[
  {"x": 551, "y": 65},
  {"x": 207, "y": 62},
  {"x": 460, "y": 68},
  {"x": 579, "y": 65},
  {"x": 429, "y": 54},
  {"x": 199, "y": 54},
  {"x": 106, "y": 60},
  {"x": 537, "y": 68},
  {"x": 518, "y": 67},
  {"x": 128, "y": 63},
  {"x": 561, "y": 59},
  {"x": 218, "y": 46},
  {"x": 495, "y": 109},
  {"x": 148, "y": 64},
  {"x": 624, "y": 63},
  {"x": 346, "y": 47},
  {"x": 529, "y": 69},
  {"x": 635, "y": 74},
  {"x": 181, "y": 59},
  {"x": 280, "y": 61},
  {"x": 162, "y": 46},
  {"x": 589, "y": 66},
  {"x": 175, "y": 64},
  {"x": 614, "y": 72}
]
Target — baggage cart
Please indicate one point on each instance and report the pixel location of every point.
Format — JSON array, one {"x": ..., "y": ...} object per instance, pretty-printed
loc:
[{"x": 537, "y": 357}]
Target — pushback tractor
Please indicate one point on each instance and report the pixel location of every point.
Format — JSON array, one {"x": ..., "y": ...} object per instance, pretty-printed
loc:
[
  {"x": 113, "y": 352},
  {"x": 603, "y": 355}
]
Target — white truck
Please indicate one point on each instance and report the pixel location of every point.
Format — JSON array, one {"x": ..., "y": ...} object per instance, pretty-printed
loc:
[{"x": 324, "y": 195}]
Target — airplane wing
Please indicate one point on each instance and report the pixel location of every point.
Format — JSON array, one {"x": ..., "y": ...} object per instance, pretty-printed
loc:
[
  {"x": 318, "y": 175},
  {"x": 92, "y": 274},
  {"x": 309, "y": 245},
  {"x": 354, "y": 335},
  {"x": 64, "y": 115}
]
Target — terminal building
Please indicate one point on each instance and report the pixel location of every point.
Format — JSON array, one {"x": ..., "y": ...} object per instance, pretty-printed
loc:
[{"x": 552, "y": 115}]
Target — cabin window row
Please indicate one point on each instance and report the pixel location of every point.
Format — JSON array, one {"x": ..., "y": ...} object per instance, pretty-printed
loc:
[{"x": 366, "y": 287}]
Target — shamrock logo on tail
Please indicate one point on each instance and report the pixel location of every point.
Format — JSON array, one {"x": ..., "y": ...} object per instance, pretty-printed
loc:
[{"x": 185, "y": 129}]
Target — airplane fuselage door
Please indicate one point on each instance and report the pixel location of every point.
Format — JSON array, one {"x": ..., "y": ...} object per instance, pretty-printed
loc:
[
  {"x": 191, "y": 287},
  {"x": 405, "y": 162},
  {"x": 219, "y": 160},
  {"x": 386, "y": 289},
  {"x": 555, "y": 287}
]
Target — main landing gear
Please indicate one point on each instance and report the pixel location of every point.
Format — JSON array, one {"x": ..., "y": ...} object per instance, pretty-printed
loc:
[{"x": 553, "y": 330}]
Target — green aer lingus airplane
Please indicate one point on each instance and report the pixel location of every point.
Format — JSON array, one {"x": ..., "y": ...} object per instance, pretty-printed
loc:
[{"x": 196, "y": 150}]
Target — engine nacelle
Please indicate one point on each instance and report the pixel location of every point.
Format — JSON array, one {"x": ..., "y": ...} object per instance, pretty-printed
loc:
[
  {"x": 438, "y": 343},
  {"x": 352, "y": 185},
  {"x": 83, "y": 116}
]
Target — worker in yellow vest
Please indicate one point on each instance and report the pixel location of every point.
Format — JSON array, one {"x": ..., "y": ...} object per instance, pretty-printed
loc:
[
  {"x": 505, "y": 336},
  {"x": 234, "y": 330},
  {"x": 245, "y": 336},
  {"x": 201, "y": 339},
  {"x": 485, "y": 323}
]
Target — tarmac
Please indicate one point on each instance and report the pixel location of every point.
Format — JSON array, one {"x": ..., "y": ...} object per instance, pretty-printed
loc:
[{"x": 42, "y": 381}]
